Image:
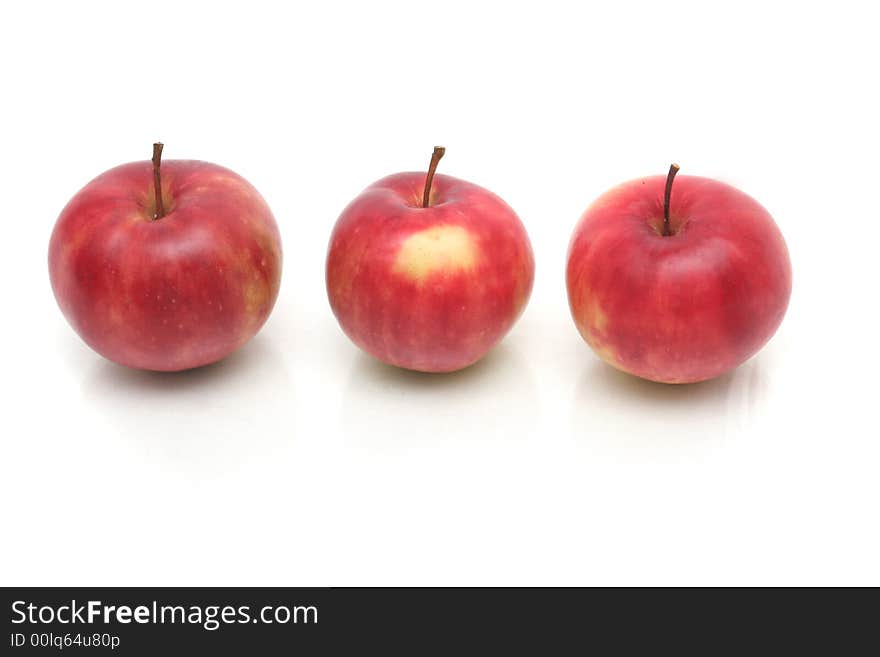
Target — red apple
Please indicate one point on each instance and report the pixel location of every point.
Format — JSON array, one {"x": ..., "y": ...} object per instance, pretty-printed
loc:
[
  {"x": 677, "y": 284},
  {"x": 171, "y": 280},
  {"x": 428, "y": 272}
]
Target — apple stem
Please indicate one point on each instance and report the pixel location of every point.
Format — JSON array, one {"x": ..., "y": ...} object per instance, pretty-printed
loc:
[
  {"x": 157, "y": 181},
  {"x": 673, "y": 169},
  {"x": 439, "y": 151}
]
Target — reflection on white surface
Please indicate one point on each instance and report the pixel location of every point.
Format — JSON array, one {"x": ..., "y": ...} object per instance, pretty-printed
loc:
[
  {"x": 385, "y": 407},
  {"x": 204, "y": 421},
  {"x": 620, "y": 415}
]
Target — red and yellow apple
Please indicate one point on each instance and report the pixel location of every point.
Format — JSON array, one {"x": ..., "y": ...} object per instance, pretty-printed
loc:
[
  {"x": 166, "y": 270},
  {"x": 677, "y": 283},
  {"x": 428, "y": 272}
]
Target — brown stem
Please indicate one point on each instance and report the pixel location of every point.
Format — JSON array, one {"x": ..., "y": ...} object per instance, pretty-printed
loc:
[
  {"x": 435, "y": 159},
  {"x": 673, "y": 169},
  {"x": 157, "y": 181}
]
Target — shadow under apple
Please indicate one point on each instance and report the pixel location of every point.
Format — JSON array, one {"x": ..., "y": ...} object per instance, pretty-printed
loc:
[
  {"x": 385, "y": 407},
  {"x": 620, "y": 415},
  {"x": 203, "y": 421}
]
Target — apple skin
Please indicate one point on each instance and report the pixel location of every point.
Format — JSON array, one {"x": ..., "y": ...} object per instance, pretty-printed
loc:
[
  {"x": 173, "y": 293},
  {"x": 684, "y": 307},
  {"x": 429, "y": 289}
]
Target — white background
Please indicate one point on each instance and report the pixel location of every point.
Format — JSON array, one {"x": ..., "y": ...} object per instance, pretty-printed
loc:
[{"x": 300, "y": 461}]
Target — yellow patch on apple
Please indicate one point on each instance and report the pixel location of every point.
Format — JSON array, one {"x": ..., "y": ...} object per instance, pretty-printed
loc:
[{"x": 440, "y": 248}]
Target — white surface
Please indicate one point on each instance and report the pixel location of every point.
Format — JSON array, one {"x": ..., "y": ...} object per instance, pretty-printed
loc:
[{"x": 300, "y": 461}]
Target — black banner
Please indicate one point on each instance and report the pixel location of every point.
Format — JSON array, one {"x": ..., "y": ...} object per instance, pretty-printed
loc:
[{"x": 178, "y": 621}]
